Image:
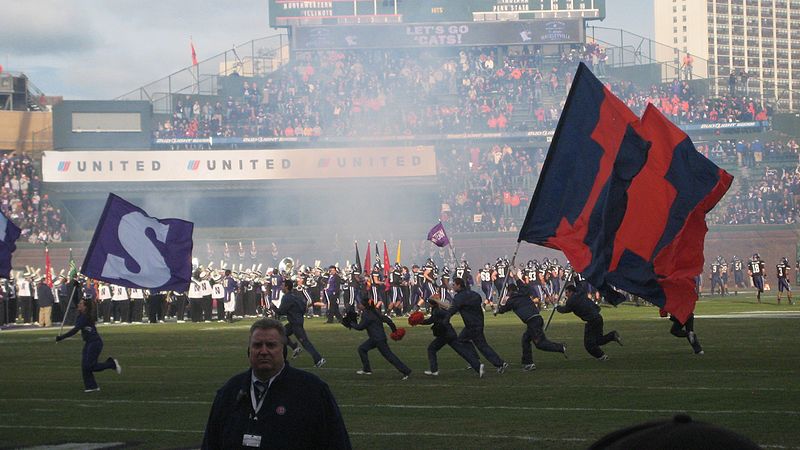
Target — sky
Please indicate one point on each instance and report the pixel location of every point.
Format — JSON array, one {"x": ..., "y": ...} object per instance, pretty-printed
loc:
[{"x": 100, "y": 49}]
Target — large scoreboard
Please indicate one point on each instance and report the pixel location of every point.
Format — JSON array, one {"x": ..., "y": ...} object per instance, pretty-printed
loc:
[{"x": 287, "y": 13}]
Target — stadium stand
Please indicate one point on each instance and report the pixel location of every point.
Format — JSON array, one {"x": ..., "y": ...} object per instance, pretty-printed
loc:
[
  {"x": 413, "y": 92},
  {"x": 22, "y": 201}
]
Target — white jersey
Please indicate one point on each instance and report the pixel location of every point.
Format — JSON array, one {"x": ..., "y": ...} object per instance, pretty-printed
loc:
[
  {"x": 137, "y": 294},
  {"x": 24, "y": 288},
  {"x": 205, "y": 287},
  {"x": 118, "y": 293},
  {"x": 218, "y": 291},
  {"x": 104, "y": 293},
  {"x": 194, "y": 290}
]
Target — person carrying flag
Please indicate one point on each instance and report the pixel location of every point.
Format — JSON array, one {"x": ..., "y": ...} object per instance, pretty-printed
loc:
[
  {"x": 593, "y": 338},
  {"x": 468, "y": 303},
  {"x": 92, "y": 346},
  {"x": 685, "y": 329},
  {"x": 444, "y": 334},
  {"x": 519, "y": 300}
]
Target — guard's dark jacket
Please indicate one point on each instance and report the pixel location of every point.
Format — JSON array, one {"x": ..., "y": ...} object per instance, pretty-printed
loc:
[{"x": 299, "y": 412}]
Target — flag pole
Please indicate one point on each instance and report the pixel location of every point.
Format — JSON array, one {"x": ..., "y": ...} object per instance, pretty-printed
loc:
[
  {"x": 555, "y": 305},
  {"x": 71, "y": 294},
  {"x": 69, "y": 305},
  {"x": 452, "y": 253},
  {"x": 505, "y": 281}
]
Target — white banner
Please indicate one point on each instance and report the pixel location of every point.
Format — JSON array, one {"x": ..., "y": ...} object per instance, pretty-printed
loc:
[{"x": 230, "y": 165}]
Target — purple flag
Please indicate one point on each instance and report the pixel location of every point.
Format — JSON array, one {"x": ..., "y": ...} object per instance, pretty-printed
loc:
[
  {"x": 438, "y": 236},
  {"x": 132, "y": 249},
  {"x": 9, "y": 233}
]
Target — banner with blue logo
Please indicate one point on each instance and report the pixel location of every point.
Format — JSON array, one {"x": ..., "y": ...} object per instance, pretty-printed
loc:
[
  {"x": 132, "y": 249},
  {"x": 9, "y": 233}
]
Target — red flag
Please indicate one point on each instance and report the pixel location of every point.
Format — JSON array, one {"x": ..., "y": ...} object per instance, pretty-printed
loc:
[
  {"x": 194, "y": 54},
  {"x": 367, "y": 265},
  {"x": 625, "y": 200},
  {"x": 48, "y": 268},
  {"x": 385, "y": 267}
]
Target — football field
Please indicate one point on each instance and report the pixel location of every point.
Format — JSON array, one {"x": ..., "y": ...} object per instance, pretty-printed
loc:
[{"x": 746, "y": 381}]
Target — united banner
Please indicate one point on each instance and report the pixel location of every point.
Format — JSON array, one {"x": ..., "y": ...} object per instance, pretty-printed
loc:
[
  {"x": 129, "y": 248},
  {"x": 9, "y": 233},
  {"x": 624, "y": 200}
]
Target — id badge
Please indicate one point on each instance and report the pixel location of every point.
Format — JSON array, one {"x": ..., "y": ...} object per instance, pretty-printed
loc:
[{"x": 251, "y": 440}]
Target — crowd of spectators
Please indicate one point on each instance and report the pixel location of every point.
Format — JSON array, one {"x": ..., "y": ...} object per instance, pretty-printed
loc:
[
  {"x": 488, "y": 187},
  {"x": 771, "y": 196},
  {"x": 682, "y": 105},
  {"x": 746, "y": 153},
  {"x": 416, "y": 92},
  {"x": 23, "y": 203}
]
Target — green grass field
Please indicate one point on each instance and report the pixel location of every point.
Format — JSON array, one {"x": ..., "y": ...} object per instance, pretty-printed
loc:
[{"x": 746, "y": 381}]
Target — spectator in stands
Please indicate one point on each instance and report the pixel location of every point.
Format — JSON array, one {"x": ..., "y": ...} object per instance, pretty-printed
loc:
[{"x": 21, "y": 201}]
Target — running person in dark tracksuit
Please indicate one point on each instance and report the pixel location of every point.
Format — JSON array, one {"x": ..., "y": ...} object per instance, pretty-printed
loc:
[
  {"x": 445, "y": 334},
  {"x": 686, "y": 330},
  {"x": 588, "y": 311},
  {"x": 294, "y": 307},
  {"x": 521, "y": 303},
  {"x": 92, "y": 346},
  {"x": 468, "y": 303},
  {"x": 372, "y": 320}
]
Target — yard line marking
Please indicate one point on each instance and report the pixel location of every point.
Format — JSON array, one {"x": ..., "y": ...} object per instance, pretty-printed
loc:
[
  {"x": 575, "y": 409},
  {"x": 137, "y": 430},
  {"x": 468, "y": 435},
  {"x": 753, "y": 315},
  {"x": 95, "y": 401},
  {"x": 471, "y": 386},
  {"x": 694, "y": 388},
  {"x": 437, "y": 407},
  {"x": 379, "y": 371},
  {"x": 352, "y": 433}
]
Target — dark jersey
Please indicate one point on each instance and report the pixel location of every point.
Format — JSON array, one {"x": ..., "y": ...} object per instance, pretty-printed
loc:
[
  {"x": 782, "y": 270},
  {"x": 486, "y": 275},
  {"x": 502, "y": 269},
  {"x": 396, "y": 277},
  {"x": 464, "y": 274},
  {"x": 530, "y": 274},
  {"x": 756, "y": 268}
]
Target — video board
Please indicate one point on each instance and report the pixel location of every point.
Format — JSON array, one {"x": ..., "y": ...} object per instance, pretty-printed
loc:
[{"x": 286, "y": 13}]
